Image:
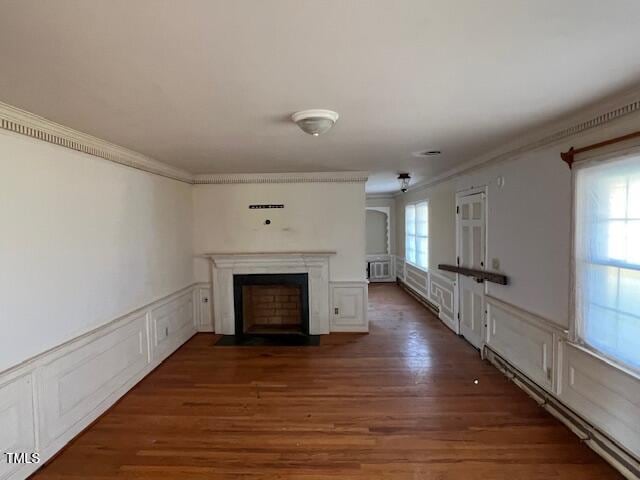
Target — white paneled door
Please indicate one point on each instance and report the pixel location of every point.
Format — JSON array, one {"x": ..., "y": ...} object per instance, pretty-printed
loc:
[{"x": 471, "y": 254}]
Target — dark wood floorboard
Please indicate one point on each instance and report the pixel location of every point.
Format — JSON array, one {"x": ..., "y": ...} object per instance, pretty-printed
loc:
[{"x": 399, "y": 403}]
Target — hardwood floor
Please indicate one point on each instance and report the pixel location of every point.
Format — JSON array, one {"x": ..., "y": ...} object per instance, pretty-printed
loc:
[{"x": 399, "y": 403}]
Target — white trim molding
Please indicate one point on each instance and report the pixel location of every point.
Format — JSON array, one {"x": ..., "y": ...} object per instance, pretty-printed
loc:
[
  {"x": 256, "y": 178},
  {"x": 349, "y": 306},
  {"x": 570, "y": 381},
  {"x": 226, "y": 265},
  {"x": 49, "y": 399},
  {"x": 204, "y": 304},
  {"x": 22, "y": 122},
  {"x": 525, "y": 339},
  {"x": 436, "y": 289},
  {"x": 602, "y": 115}
]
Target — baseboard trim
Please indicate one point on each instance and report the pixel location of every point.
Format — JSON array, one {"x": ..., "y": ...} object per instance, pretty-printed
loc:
[
  {"x": 51, "y": 398},
  {"x": 598, "y": 441}
]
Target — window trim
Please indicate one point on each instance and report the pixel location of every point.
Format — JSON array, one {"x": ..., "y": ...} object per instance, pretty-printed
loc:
[
  {"x": 576, "y": 325},
  {"x": 415, "y": 205}
]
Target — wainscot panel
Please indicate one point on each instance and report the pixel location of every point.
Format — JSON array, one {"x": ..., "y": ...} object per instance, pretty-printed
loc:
[
  {"x": 417, "y": 279},
  {"x": 172, "y": 324},
  {"x": 603, "y": 394},
  {"x": 530, "y": 344},
  {"x": 349, "y": 305},
  {"x": 73, "y": 384},
  {"x": 79, "y": 381},
  {"x": 17, "y": 432},
  {"x": 442, "y": 293}
]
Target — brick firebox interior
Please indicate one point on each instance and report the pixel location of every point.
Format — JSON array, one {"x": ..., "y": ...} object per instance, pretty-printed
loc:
[{"x": 271, "y": 307}]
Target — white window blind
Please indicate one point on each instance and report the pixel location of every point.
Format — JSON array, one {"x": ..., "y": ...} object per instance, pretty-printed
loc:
[
  {"x": 607, "y": 253},
  {"x": 417, "y": 234}
]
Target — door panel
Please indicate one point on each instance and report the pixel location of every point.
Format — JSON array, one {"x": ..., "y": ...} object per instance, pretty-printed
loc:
[{"x": 471, "y": 250}]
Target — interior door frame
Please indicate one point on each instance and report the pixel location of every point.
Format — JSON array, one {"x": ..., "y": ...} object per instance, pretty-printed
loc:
[{"x": 459, "y": 195}]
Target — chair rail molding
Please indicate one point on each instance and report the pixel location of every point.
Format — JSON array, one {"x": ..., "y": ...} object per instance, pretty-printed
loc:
[{"x": 49, "y": 399}]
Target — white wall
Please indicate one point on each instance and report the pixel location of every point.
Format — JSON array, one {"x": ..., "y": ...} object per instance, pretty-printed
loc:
[
  {"x": 316, "y": 216},
  {"x": 377, "y": 232},
  {"x": 390, "y": 203},
  {"x": 528, "y": 222},
  {"x": 83, "y": 241}
]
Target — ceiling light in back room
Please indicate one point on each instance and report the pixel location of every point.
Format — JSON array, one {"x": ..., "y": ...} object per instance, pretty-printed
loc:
[
  {"x": 404, "y": 179},
  {"x": 315, "y": 122}
]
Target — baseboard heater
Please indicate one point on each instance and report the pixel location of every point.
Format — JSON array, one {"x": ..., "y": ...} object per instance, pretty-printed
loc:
[
  {"x": 597, "y": 440},
  {"x": 431, "y": 306}
]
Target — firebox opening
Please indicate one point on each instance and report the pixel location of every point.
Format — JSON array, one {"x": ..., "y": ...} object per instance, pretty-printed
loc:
[{"x": 271, "y": 304}]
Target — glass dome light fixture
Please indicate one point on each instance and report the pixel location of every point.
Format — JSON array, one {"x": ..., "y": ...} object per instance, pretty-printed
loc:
[
  {"x": 404, "y": 179},
  {"x": 315, "y": 122}
]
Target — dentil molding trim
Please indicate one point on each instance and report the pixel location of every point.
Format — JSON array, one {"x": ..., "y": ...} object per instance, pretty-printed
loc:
[
  {"x": 19, "y": 121},
  {"x": 304, "y": 177},
  {"x": 596, "y": 117},
  {"x": 16, "y": 120}
]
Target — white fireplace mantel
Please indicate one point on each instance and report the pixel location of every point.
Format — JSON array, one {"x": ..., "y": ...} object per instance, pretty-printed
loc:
[{"x": 226, "y": 265}]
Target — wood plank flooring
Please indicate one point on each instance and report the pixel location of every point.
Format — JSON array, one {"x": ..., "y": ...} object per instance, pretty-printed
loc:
[{"x": 399, "y": 403}]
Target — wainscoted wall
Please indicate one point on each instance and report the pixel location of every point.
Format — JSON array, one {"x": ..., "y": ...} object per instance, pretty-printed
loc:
[
  {"x": 528, "y": 341},
  {"x": 606, "y": 396},
  {"x": 529, "y": 240},
  {"x": 540, "y": 349},
  {"x": 433, "y": 287},
  {"x": 49, "y": 399},
  {"x": 442, "y": 292},
  {"x": 349, "y": 303},
  {"x": 351, "y": 299}
]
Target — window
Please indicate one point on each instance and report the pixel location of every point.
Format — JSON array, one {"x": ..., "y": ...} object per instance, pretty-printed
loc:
[
  {"x": 607, "y": 254},
  {"x": 416, "y": 223}
]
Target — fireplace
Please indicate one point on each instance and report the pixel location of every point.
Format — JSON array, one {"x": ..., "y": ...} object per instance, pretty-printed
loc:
[{"x": 271, "y": 303}]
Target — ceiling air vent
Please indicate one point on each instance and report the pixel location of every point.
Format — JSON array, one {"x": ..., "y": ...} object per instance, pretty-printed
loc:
[{"x": 427, "y": 153}]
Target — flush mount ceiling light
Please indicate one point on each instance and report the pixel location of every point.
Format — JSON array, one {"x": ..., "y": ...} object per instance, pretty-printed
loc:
[
  {"x": 315, "y": 122},
  {"x": 404, "y": 179},
  {"x": 427, "y": 153}
]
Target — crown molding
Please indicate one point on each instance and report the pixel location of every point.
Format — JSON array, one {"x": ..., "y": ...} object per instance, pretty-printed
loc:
[
  {"x": 305, "y": 177},
  {"x": 25, "y": 123},
  {"x": 587, "y": 120}
]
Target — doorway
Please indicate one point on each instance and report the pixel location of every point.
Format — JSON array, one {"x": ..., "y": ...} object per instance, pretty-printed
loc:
[{"x": 471, "y": 253}]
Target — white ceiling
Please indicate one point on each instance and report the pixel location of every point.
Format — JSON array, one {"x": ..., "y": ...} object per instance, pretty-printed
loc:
[{"x": 209, "y": 85}]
